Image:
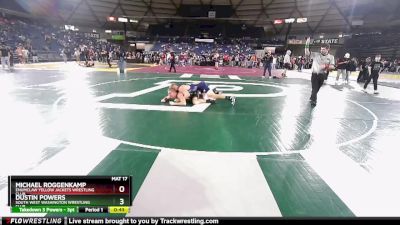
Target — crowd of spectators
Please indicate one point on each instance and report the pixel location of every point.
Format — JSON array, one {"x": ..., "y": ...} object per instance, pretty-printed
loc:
[{"x": 23, "y": 40}]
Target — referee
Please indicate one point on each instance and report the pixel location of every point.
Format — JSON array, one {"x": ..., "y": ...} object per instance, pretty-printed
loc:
[
  {"x": 323, "y": 62},
  {"x": 172, "y": 62}
]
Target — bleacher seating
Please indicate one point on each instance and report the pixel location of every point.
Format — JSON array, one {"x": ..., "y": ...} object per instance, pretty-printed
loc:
[{"x": 367, "y": 45}]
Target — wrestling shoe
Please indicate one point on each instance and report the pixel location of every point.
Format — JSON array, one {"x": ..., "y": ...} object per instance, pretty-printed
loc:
[
  {"x": 232, "y": 99},
  {"x": 212, "y": 101}
]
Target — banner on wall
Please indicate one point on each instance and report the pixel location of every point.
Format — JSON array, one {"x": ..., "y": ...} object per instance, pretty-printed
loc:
[{"x": 326, "y": 41}]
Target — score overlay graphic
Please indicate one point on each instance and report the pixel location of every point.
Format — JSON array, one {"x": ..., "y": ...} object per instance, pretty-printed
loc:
[{"x": 70, "y": 194}]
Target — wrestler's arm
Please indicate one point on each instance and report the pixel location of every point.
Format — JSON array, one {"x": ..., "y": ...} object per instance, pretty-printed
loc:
[
  {"x": 181, "y": 100},
  {"x": 165, "y": 99}
]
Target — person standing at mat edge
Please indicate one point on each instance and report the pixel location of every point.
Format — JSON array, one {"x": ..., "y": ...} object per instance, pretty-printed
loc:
[
  {"x": 5, "y": 56},
  {"x": 286, "y": 63},
  {"x": 172, "y": 61},
  {"x": 323, "y": 62},
  {"x": 374, "y": 70},
  {"x": 267, "y": 61},
  {"x": 342, "y": 65}
]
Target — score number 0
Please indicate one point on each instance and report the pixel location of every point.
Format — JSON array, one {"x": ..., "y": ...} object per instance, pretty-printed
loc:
[{"x": 121, "y": 189}]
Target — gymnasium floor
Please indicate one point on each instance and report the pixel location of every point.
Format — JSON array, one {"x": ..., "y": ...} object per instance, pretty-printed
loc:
[{"x": 270, "y": 154}]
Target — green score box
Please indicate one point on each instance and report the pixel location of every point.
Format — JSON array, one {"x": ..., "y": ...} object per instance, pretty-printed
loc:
[{"x": 45, "y": 209}]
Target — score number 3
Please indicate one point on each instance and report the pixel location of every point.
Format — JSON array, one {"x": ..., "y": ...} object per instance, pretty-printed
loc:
[{"x": 121, "y": 189}]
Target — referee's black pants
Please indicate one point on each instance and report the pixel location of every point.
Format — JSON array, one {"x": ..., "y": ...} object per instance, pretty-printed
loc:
[
  {"x": 374, "y": 77},
  {"x": 172, "y": 66},
  {"x": 317, "y": 79}
]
